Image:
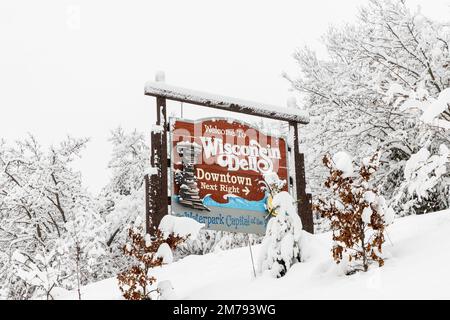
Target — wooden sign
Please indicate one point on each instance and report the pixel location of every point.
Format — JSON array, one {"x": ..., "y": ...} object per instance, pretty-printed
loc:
[
  {"x": 220, "y": 172},
  {"x": 226, "y": 193}
]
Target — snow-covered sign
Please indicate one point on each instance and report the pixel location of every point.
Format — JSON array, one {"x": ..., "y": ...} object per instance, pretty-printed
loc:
[
  {"x": 218, "y": 173},
  {"x": 240, "y": 160}
]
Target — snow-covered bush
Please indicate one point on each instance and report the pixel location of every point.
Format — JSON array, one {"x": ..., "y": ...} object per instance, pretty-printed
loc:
[
  {"x": 213, "y": 241},
  {"x": 136, "y": 283},
  {"x": 281, "y": 246},
  {"x": 203, "y": 241},
  {"x": 358, "y": 213},
  {"x": 231, "y": 240}
]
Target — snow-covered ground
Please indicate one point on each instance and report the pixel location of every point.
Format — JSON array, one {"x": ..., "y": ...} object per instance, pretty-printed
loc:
[{"x": 417, "y": 267}]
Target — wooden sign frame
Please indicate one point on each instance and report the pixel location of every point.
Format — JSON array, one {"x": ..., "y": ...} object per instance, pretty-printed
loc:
[{"x": 157, "y": 198}]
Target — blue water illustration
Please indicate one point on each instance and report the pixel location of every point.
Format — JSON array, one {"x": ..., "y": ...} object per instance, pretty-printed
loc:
[{"x": 237, "y": 203}]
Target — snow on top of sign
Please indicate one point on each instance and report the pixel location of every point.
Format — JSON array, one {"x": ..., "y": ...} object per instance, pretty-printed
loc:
[
  {"x": 157, "y": 128},
  {"x": 188, "y": 144},
  {"x": 151, "y": 171},
  {"x": 178, "y": 93},
  {"x": 266, "y": 130}
]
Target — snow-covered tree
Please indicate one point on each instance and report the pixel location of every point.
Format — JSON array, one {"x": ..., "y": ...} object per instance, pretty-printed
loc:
[
  {"x": 41, "y": 198},
  {"x": 356, "y": 95},
  {"x": 122, "y": 200},
  {"x": 129, "y": 160}
]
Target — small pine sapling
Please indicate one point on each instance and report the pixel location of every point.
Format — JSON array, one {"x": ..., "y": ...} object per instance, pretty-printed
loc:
[
  {"x": 358, "y": 215},
  {"x": 136, "y": 282},
  {"x": 281, "y": 246}
]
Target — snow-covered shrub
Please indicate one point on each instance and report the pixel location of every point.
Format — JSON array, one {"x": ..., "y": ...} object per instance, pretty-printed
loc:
[
  {"x": 358, "y": 213},
  {"x": 147, "y": 252},
  {"x": 232, "y": 240},
  {"x": 204, "y": 243},
  {"x": 281, "y": 246},
  {"x": 212, "y": 241}
]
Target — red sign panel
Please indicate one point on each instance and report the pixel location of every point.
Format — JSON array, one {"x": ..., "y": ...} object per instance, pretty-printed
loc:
[{"x": 219, "y": 167}]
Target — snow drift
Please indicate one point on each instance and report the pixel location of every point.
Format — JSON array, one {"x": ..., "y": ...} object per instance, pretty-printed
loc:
[{"x": 417, "y": 267}]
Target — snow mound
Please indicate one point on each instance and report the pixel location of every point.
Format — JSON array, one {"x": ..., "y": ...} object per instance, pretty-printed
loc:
[{"x": 181, "y": 226}]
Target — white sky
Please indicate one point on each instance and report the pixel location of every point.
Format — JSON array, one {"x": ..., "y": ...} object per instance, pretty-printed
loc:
[{"x": 79, "y": 67}]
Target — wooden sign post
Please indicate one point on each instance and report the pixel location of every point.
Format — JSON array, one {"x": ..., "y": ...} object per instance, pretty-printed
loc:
[
  {"x": 304, "y": 205},
  {"x": 157, "y": 197}
]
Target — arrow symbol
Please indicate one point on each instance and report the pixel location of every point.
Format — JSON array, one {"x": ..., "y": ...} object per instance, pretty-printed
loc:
[{"x": 246, "y": 191}]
